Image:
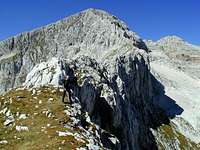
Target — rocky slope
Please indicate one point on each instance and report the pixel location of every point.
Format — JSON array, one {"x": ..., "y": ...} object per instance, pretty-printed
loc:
[
  {"x": 175, "y": 63},
  {"x": 179, "y": 53},
  {"x": 123, "y": 97}
]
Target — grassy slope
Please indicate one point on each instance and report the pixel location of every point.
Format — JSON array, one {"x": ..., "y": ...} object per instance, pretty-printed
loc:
[{"x": 40, "y": 135}]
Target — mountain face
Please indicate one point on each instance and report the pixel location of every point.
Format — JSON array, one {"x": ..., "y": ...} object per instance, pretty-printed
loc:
[
  {"x": 179, "y": 53},
  {"x": 138, "y": 94},
  {"x": 91, "y": 32},
  {"x": 175, "y": 63}
]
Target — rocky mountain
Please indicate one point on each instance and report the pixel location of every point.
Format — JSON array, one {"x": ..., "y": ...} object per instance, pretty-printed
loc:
[
  {"x": 175, "y": 63},
  {"x": 181, "y": 54},
  {"x": 91, "y": 32},
  {"x": 127, "y": 96}
]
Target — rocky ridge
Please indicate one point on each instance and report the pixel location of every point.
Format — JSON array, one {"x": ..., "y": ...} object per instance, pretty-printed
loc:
[{"x": 178, "y": 53}]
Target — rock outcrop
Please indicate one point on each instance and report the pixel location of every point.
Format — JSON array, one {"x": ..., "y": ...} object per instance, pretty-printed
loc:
[{"x": 118, "y": 96}]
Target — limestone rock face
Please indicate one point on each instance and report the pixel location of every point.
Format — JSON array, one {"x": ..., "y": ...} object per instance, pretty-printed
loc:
[
  {"x": 111, "y": 62},
  {"x": 91, "y": 32}
]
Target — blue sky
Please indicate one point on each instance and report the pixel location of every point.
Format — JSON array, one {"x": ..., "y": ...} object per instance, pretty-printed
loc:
[{"x": 151, "y": 19}]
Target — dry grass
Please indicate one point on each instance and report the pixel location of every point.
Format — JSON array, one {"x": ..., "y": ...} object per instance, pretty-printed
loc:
[
  {"x": 170, "y": 133},
  {"x": 40, "y": 135}
]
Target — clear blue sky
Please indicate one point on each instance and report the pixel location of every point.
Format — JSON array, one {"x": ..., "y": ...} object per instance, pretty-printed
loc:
[{"x": 151, "y": 19}]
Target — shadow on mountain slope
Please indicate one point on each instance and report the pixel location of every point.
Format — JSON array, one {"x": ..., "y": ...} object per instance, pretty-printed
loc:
[
  {"x": 165, "y": 102},
  {"x": 164, "y": 109},
  {"x": 134, "y": 114}
]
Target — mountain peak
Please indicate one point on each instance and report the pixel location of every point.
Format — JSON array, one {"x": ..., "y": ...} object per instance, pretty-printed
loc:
[
  {"x": 96, "y": 11},
  {"x": 171, "y": 39},
  {"x": 104, "y": 15}
]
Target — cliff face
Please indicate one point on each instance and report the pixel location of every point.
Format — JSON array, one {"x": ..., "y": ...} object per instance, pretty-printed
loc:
[
  {"x": 117, "y": 96},
  {"x": 123, "y": 109}
]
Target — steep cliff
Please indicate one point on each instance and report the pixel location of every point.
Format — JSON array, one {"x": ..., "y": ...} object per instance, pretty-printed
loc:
[{"x": 118, "y": 96}]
